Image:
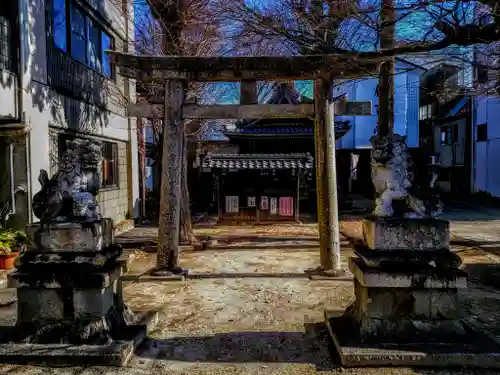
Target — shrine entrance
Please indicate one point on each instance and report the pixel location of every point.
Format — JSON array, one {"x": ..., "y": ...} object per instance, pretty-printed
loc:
[
  {"x": 168, "y": 103},
  {"x": 258, "y": 188}
]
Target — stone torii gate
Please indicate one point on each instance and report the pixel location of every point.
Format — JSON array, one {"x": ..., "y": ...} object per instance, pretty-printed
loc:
[{"x": 169, "y": 104}]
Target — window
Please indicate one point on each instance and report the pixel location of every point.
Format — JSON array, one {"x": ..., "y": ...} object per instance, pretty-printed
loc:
[
  {"x": 425, "y": 112},
  {"x": 481, "y": 74},
  {"x": 449, "y": 134},
  {"x": 8, "y": 60},
  {"x": 446, "y": 135},
  {"x": 78, "y": 35},
  {"x": 482, "y": 133},
  {"x": 85, "y": 40},
  {"x": 94, "y": 45},
  {"x": 106, "y": 44},
  {"x": 59, "y": 25},
  {"x": 109, "y": 165},
  {"x": 455, "y": 133}
]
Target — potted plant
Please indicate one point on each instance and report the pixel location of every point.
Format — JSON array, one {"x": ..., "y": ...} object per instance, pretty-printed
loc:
[{"x": 11, "y": 245}]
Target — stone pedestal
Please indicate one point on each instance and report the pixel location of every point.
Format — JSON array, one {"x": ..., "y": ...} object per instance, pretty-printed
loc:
[
  {"x": 406, "y": 310},
  {"x": 70, "y": 305}
]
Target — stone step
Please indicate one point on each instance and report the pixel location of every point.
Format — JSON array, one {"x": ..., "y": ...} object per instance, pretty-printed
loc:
[{"x": 8, "y": 296}]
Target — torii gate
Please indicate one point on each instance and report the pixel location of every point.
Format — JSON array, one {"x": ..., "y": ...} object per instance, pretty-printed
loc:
[{"x": 169, "y": 104}]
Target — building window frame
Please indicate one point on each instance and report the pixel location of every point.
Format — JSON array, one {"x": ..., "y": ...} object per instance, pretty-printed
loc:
[
  {"x": 102, "y": 65},
  {"x": 110, "y": 173},
  {"x": 482, "y": 132},
  {"x": 9, "y": 52},
  {"x": 425, "y": 112},
  {"x": 482, "y": 74}
]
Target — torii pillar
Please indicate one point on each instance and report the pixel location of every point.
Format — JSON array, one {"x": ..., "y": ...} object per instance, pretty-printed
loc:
[{"x": 326, "y": 172}]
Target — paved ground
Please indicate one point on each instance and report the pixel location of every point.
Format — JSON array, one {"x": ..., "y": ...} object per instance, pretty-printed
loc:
[
  {"x": 235, "y": 324},
  {"x": 252, "y": 311}
]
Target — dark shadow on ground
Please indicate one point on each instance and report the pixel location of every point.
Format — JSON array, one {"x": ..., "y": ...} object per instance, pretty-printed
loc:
[
  {"x": 135, "y": 238},
  {"x": 487, "y": 274},
  {"x": 308, "y": 347},
  {"x": 257, "y": 275}
]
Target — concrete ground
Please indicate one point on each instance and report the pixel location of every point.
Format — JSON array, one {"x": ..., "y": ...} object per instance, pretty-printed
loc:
[{"x": 250, "y": 310}]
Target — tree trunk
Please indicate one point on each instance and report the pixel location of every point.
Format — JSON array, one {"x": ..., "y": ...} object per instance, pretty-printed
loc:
[
  {"x": 386, "y": 78},
  {"x": 186, "y": 233},
  {"x": 173, "y": 134}
]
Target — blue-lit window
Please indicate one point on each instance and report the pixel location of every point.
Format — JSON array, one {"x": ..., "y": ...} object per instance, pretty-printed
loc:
[
  {"x": 59, "y": 26},
  {"x": 78, "y": 35},
  {"x": 94, "y": 45},
  {"x": 106, "y": 44},
  {"x": 83, "y": 37}
]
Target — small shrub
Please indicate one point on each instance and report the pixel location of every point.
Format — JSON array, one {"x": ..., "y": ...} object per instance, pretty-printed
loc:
[{"x": 11, "y": 240}]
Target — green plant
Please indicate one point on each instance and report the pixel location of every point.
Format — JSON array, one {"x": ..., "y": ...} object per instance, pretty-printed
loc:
[{"x": 11, "y": 240}]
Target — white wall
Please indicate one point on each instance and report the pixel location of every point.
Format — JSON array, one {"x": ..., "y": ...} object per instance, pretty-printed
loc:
[
  {"x": 8, "y": 95},
  {"x": 405, "y": 109},
  {"x": 34, "y": 87},
  {"x": 487, "y": 154}
]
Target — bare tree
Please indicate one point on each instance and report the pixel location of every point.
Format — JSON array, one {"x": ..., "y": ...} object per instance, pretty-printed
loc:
[
  {"x": 186, "y": 29},
  {"x": 425, "y": 30}
]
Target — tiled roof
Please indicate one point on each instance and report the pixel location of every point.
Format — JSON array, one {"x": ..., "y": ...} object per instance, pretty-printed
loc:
[
  {"x": 258, "y": 161},
  {"x": 341, "y": 128},
  {"x": 212, "y": 132}
]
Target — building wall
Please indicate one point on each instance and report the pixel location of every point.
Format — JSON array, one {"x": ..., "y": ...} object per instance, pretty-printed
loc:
[
  {"x": 114, "y": 203},
  {"x": 485, "y": 165},
  {"x": 9, "y": 95},
  {"x": 406, "y": 104},
  {"x": 92, "y": 106}
]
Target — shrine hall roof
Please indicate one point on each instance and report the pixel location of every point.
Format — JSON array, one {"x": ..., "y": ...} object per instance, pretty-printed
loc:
[
  {"x": 258, "y": 161},
  {"x": 291, "y": 130}
]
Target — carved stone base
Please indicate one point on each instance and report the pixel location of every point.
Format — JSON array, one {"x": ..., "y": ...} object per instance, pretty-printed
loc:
[
  {"x": 405, "y": 234},
  {"x": 62, "y": 237},
  {"x": 406, "y": 311},
  {"x": 401, "y": 306},
  {"x": 478, "y": 349},
  {"x": 71, "y": 310},
  {"x": 116, "y": 351},
  {"x": 408, "y": 319}
]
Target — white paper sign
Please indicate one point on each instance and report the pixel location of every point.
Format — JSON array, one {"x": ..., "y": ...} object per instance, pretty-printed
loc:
[
  {"x": 274, "y": 206},
  {"x": 232, "y": 204},
  {"x": 236, "y": 204},
  {"x": 264, "y": 203},
  {"x": 251, "y": 202}
]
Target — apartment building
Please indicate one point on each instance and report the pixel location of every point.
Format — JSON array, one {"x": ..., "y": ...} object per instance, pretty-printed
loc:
[{"x": 57, "y": 83}]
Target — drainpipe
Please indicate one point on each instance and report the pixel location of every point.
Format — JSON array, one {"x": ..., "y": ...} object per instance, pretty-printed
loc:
[
  {"x": 472, "y": 144},
  {"x": 12, "y": 185},
  {"x": 21, "y": 63},
  {"x": 472, "y": 133}
]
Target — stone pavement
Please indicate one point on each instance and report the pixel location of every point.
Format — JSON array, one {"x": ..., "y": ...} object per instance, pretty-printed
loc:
[
  {"x": 252, "y": 313},
  {"x": 477, "y": 226}
]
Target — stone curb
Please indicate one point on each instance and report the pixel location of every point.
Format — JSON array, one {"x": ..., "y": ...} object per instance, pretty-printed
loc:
[{"x": 472, "y": 243}]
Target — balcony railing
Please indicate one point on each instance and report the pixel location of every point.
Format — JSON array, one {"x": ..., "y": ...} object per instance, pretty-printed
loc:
[{"x": 71, "y": 78}]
